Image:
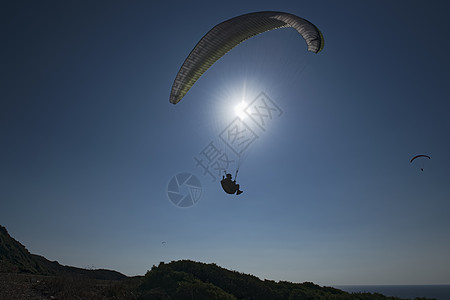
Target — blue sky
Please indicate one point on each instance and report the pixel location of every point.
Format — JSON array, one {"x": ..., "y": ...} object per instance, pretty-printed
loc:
[{"x": 89, "y": 140}]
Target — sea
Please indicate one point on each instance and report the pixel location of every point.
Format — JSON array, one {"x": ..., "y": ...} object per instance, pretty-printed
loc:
[{"x": 439, "y": 292}]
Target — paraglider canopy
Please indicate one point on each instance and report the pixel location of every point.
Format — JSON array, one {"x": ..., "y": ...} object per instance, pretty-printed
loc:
[
  {"x": 227, "y": 35},
  {"x": 417, "y": 156}
]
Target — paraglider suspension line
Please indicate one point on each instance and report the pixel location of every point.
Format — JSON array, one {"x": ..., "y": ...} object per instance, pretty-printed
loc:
[{"x": 235, "y": 175}]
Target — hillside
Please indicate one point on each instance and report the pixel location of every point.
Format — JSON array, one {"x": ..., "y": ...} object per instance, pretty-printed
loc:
[
  {"x": 15, "y": 258},
  {"x": 27, "y": 276},
  {"x": 187, "y": 279}
]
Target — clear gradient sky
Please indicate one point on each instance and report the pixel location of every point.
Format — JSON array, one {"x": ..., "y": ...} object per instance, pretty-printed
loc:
[{"x": 89, "y": 141}]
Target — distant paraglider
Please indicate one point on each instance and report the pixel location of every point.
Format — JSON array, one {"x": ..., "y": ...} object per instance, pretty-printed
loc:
[
  {"x": 228, "y": 34},
  {"x": 420, "y": 156}
]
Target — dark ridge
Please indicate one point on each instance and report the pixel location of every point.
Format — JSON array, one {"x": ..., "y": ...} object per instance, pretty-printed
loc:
[
  {"x": 187, "y": 279},
  {"x": 15, "y": 258}
]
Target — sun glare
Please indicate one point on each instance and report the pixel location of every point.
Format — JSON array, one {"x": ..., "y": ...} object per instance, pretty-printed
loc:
[{"x": 239, "y": 110}]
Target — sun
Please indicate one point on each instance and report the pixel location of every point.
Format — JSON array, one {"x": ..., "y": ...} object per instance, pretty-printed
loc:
[{"x": 239, "y": 110}]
